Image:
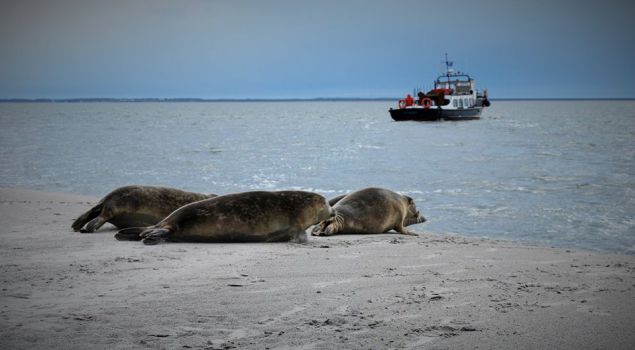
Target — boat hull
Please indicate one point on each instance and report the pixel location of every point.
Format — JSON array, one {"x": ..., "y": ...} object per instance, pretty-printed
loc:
[{"x": 434, "y": 114}]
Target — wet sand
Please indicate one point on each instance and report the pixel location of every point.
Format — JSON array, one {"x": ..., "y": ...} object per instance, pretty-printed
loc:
[{"x": 62, "y": 289}]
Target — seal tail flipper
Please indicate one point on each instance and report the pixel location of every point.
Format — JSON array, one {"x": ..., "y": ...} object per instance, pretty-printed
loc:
[
  {"x": 87, "y": 216},
  {"x": 154, "y": 235},
  {"x": 130, "y": 234},
  {"x": 94, "y": 224}
]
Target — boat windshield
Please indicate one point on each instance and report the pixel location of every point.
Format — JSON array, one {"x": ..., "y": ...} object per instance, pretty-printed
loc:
[{"x": 460, "y": 86}]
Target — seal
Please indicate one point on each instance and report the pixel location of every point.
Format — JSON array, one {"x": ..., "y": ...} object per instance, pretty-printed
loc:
[
  {"x": 371, "y": 210},
  {"x": 258, "y": 216},
  {"x": 334, "y": 200},
  {"x": 133, "y": 206}
]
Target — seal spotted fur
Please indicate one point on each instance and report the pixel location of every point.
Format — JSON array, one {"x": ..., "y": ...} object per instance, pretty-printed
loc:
[
  {"x": 132, "y": 206},
  {"x": 257, "y": 216},
  {"x": 371, "y": 210}
]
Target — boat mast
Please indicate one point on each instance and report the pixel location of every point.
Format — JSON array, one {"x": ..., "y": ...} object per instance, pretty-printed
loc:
[{"x": 447, "y": 69}]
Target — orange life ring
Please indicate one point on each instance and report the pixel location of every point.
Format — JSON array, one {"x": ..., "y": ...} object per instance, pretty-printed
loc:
[
  {"x": 426, "y": 102},
  {"x": 402, "y": 103}
]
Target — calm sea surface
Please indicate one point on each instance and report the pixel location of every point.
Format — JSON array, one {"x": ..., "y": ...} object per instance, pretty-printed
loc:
[{"x": 551, "y": 172}]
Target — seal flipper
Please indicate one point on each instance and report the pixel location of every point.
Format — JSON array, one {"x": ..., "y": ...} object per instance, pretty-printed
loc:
[
  {"x": 331, "y": 230},
  {"x": 94, "y": 224},
  {"x": 317, "y": 229},
  {"x": 334, "y": 225},
  {"x": 320, "y": 228},
  {"x": 404, "y": 231},
  {"x": 130, "y": 234},
  {"x": 91, "y": 214},
  {"x": 154, "y": 235}
]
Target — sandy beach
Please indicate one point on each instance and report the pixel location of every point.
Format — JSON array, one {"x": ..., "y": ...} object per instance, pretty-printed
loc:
[{"x": 62, "y": 289}]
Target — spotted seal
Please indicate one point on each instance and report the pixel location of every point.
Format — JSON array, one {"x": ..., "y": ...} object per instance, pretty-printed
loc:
[
  {"x": 258, "y": 216},
  {"x": 371, "y": 210},
  {"x": 334, "y": 200},
  {"x": 132, "y": 206}
]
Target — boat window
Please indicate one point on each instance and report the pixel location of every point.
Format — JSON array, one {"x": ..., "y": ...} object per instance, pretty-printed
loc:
[
  {"x": 453, "y": 102},
  {"x": 462, "y": 88}
]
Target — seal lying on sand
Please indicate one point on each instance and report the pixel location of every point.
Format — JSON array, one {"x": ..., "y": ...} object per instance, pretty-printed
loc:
[
  {"x": 132, "y": 206},
  {"x": 371, "y": 210},
  {"x": 241, "y": 217}
]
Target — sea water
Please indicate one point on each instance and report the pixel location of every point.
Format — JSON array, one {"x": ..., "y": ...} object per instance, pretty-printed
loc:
[{"x": 558, "y": 173}]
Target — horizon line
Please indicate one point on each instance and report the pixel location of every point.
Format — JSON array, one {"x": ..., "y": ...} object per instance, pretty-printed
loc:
[{"x": 311, "y": 99}]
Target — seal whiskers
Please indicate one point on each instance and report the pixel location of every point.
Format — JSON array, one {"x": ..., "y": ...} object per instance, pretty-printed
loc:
[{"x": 334, "y": 225}]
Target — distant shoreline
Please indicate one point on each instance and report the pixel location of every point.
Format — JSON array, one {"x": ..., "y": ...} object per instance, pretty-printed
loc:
[{"x": 352, "y": 99}]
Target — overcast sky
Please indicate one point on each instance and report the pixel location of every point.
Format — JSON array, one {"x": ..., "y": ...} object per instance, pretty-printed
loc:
[{"x": 305, "y": 49}]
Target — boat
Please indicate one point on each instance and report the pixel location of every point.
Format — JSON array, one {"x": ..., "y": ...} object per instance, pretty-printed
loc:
[{"x": 454, "y": 97}]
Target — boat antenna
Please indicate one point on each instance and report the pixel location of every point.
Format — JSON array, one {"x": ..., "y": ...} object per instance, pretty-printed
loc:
[{"x": 448, "y": 67}]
